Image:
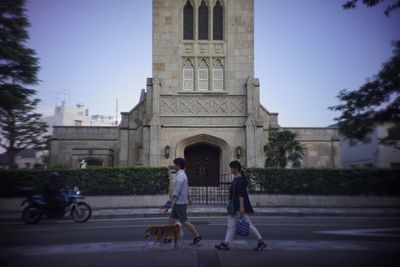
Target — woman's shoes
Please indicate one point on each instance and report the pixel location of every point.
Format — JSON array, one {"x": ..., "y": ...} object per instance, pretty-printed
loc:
[
  {"x": 222, "y": 246},
  {"x": 260, "y": 246}
]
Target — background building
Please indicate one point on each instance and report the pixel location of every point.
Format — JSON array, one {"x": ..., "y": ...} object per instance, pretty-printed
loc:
[
  {"x": 369, "y": 152},
  {"x": 77, "y": 115},
  {"x": 26, "y": 159}
]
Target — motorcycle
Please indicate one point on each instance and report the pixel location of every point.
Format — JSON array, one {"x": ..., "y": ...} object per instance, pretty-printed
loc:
[{"x": 37, "y": 206}]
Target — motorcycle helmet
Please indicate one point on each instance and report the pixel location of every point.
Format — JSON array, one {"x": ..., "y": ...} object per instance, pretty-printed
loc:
[{"x": 54, "y": 175}]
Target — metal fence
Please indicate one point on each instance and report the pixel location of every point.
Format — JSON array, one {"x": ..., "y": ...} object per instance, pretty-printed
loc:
[{"x": 213, "y": 194}]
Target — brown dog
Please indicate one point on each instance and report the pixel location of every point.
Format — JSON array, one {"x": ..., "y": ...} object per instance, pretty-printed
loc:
[{"x": 161, "y": 232}]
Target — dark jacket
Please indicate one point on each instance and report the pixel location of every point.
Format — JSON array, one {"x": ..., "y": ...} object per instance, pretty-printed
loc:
[
  {"x": 239, "y": 189},
  {"x": 51, "y": 190}
]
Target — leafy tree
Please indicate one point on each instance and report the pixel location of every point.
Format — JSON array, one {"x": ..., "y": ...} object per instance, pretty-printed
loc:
[
  {"x": 283, "y": 147},
  {"x": 18, "y": 63},
  {"x": 20, "y": 126},
  {"x": 371, "y": 3},
  {"x": 378, "y": 100}
]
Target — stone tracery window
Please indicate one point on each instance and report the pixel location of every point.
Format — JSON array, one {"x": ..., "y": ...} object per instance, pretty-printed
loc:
[
  {"x": 188, "y": 76},
  {"x": 218, "y": 77},
  {"x": 203, "y": 76},
  {"x": 218, "y": 21},
  {"x": 188, "y": 21},
  {"x": 203, "y": 21}
]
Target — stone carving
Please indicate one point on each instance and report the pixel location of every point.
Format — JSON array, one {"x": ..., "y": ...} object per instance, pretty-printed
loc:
[
  {"x": 188, "y": 48},
  {"x": 203, "y": 105},
  {"x": 218, "y": 49},
  {"x": 203, "y": 48}
]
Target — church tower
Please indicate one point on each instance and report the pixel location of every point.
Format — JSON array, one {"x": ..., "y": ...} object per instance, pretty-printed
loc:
[{"x": 204, "y": 100}]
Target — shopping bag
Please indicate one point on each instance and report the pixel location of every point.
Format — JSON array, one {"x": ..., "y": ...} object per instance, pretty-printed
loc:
[{"x": 242, "y": 227}]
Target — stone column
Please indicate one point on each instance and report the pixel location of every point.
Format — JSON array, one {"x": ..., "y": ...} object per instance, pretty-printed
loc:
[
  {"x": 123, "y": 140},
  {"x": 154, "y": 159},
  {"x": 254, "y": 125}
]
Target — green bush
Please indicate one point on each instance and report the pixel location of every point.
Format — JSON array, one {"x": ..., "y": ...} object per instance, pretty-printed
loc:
[
  {"x": 152, "y": 181},
  {"x": 325, "y": 181},
  {"x": 97, "y": 181}
]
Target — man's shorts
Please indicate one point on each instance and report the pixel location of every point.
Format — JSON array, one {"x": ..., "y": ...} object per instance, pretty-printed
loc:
[{"x": 179, "y": 212}]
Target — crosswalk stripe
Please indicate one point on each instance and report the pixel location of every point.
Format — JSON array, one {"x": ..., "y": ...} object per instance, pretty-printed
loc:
[{"x": 380, "y": 232}]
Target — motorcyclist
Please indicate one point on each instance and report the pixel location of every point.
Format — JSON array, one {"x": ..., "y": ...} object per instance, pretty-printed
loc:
[{"x": 52, "y": 193}]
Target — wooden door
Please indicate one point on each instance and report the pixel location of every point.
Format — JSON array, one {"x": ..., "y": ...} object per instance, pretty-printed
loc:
[{"x": 202, "y": 165}]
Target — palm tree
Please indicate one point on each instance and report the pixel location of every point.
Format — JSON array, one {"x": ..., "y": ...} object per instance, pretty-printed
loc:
[{"x": 283, "y": 147}]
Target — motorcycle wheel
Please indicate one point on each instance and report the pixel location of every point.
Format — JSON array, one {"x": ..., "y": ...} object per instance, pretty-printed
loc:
[
  {"x": 31, "y": 215},
  {"x": 81, "y": 212}
]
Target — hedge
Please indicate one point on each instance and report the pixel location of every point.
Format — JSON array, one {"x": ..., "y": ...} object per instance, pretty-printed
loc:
[
  {"x": 152, "y": 181},
  {"x": 368, "y": 182},
  {"x": 96, "y": 181}
]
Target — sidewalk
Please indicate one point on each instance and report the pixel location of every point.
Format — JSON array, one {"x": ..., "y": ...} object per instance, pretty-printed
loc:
[{"x": 196, "y": 211}]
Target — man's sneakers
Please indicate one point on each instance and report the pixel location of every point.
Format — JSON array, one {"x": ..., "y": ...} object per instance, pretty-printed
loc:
[
  {"x": 260, "y": 246},
  {"x": 222, "y": 246},
  {"x": 196, "y": 241},
  {"x": 167, "y": 240}
]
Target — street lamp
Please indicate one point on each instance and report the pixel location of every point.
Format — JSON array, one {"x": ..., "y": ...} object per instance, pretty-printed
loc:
[{"x": 167, "y": 148}]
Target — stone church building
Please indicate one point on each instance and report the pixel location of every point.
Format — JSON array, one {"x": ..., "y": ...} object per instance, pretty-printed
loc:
[{"x": 201, "y": 103}]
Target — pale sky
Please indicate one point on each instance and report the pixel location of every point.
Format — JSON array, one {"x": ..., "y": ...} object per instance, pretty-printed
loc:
[{"x": 95, "y": 51}]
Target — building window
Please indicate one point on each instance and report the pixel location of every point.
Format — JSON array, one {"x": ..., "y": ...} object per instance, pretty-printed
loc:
[
  {"x": 203, "y": 21},
  {"x": 218, "y": 77},
  {"x": 395, "y": 165},
  {"x": 393, "y": 133},
  {"x": 78, "y": 123},
  {"x": 352, "y": 142},
  {"x": 188, "y": 21},
  {"x": 188, "y": 76},
  {"x": 203, "y": 76},
  {"x": 218, "y": 22},
  {"x": 366, "y": 140}
]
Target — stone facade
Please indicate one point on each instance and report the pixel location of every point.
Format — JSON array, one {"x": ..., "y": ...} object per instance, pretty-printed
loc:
[{"x": 202, "y": 95}]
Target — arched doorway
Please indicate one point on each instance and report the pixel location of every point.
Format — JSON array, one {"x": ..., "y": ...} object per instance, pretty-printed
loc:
[{"x": 202, "y": 164}]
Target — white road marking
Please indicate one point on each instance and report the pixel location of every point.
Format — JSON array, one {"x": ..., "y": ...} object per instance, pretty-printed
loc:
[
  {"x": 380, "y": 232},
  {"x": 109, "y": 247}
]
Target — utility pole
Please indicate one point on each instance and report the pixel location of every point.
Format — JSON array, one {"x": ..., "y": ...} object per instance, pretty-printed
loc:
[{"x": 116, "y": 113}]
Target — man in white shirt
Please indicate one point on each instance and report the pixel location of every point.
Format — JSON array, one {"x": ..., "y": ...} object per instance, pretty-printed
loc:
[{"x": 180, "y": 200}]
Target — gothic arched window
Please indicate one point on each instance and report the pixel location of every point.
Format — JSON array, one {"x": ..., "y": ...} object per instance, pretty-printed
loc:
[
  {"x": 218, "y": 77},
  {"x": 218, "y": 24},
  {"x": 188, "y": 76},
  {"x": 203, "y": 76},
  {"x": 203, "y": 21},
  {"x": 188, "y": 21}
]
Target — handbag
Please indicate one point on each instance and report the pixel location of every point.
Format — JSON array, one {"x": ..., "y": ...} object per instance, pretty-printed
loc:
[
  {"x": 231, "y": 207},
  {"x": 242, "y": 227}
]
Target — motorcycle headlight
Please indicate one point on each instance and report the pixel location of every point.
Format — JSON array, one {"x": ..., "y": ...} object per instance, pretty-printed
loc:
[{"x": 76, "y": 190}]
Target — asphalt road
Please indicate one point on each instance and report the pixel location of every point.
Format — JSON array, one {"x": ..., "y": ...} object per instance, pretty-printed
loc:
[{"x": 293, "y": 241}]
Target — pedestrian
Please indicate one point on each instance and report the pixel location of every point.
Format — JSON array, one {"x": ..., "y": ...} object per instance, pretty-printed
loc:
[
  {"x": 180, "y": 200},
  {"x": 241, "y": 202}
]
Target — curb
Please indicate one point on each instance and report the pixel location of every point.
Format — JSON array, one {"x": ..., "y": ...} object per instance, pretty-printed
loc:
[
  {"x": 132, "y": 213},
  {"x": 258, "y": 214}
]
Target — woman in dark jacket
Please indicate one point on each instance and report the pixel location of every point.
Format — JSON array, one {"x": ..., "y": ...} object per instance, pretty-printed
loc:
[{"x": 238, "y": 193}]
